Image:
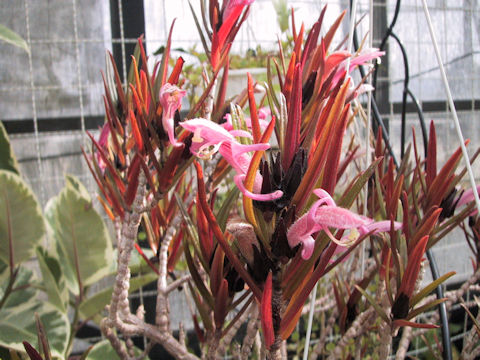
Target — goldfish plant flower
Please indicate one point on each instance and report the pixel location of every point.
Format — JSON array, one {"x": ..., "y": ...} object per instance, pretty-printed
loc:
[
  {"x": 325, "y": 214},
  {"x": 209, "y": 137},
  {"x": 171, "y": 100}
]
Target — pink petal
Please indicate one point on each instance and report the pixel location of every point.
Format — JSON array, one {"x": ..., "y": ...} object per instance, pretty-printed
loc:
[
  {"x": 381, "y": 226},
  {"x": 212, "y": 132},
  {"x": 171, "y": 99},
  {"x": 337, "y": 217},
  {"x": 168, "y": 126},
  {"x": 467, "y": 197},
  {"x": 300, "y": 233},
  {"x": 238, "y": 179}
]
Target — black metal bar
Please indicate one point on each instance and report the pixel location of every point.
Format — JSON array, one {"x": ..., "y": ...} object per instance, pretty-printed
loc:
[
  {"x": 133, "y": 21},
  {"x": 442, "y": 309}
]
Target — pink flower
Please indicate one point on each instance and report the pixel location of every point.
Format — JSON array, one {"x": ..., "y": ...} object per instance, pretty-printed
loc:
[
  {"x": 209, "y": 137},
  {"x": 262, "y": 116},
  {"x": 325, "y": 214},
  {"x": 103, "y": 142},
  {"x": 171, "y": 100},
  {"x": 467, "y": 197},
  {"x": 232, "y": 4},
  {"x": 360, "y": 59}
]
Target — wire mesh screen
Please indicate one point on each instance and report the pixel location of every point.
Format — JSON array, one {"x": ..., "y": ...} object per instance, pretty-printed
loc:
[{"x": 50, "y": 96}]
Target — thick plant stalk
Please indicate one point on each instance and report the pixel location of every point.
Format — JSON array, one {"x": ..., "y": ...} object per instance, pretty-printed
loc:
[
  {"x": 385, "y": 341},
  {"x": 120, "y": 316},
  {"x": 162, "y": 307},
  {"x": 357, "y": 328},
  {"x": 213, "y": 344},
  {"x": 228, "y": 337},
  {"x": 472, "y": 339},
  {"x": 119, "y": 305},
  {"x": 404, "y": 343},
  {"x": 252, "y": 331}
]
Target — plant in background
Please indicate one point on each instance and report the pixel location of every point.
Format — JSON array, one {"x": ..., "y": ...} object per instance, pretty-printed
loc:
[
  {"x": 257, "y": 246},
  {"x": 76, "y": 256}
]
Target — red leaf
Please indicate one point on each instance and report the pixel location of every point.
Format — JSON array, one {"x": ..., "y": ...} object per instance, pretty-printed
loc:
[
  {"x": 147, "y": 260},
  {"x": 266, "y": 313},
  {"x": 292, "y": 135},
  {"x": 198, "y": 329},
  {"x": 32, "y": 353},
  {"x": 334, "y": 152},
  {"x": 253, "y": 110},
  {"x": 216, "y": 271},
  {"x": 413, "y": 268},
  {"x": 431, "y": 155},
  {"x": 133, "y": 174},
  {"x": 174, "y": 76},
  {"x": 221, "y": 304},
  {"x": 239, "y": 267},
  {"x": 136, "y": 131},
  {"x": 401, "y": 322}
]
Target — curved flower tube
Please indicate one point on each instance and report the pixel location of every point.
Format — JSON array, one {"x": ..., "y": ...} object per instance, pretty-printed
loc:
[
  {"x": 209, "y": 137},
  {"x": 325, "y": 214},
  {"x": 171, "y": 100}
]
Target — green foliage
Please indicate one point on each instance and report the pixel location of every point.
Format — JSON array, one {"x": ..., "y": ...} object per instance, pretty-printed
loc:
[
  {"x": 13, "y": 38},
  {"x": 18, "y": 207},
  {"x": 53, "y": 280},
  {"x": 17, "y": 315},
  {"x": 103, "y": 350},
  {"x": 82, "y": 239},
  {"x": 8, "y": 161}
]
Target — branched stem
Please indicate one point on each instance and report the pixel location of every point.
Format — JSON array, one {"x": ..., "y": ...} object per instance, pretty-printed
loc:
[{"x": 357, "y": 328}]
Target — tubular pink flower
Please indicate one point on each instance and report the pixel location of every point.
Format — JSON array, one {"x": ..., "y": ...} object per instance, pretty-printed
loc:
[
  {"x": 171, "y": 100},
  {"x": 209, "y": 137},
  {"x": 232, "y": 4},
  {"x": 325, "y": 214},
  {"x": 364, "y": 56},
  {"x": 238, "y": 179}
]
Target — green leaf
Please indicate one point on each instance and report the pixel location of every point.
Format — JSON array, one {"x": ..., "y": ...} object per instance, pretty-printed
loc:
[
  {"x": 17, "y": 324},
  {"x": 8, "y": 161},
  {"x": 75, "y": 184},
  {"x": 81, "y": 236},
  {"x": 429, "y": 288},
  {"x": 352, "y": 192},
  {"x": 13, "y": 38},
  {"x": 22, "y": 226},
  {"x": 97, "y": 302},
  {"x": 53, "y": 280},
  {"x": 376, "y": 306},
  {"x": 424, "y": 308},
  {"x": 103, "y": 350},
  {"x": 23, "y": 279},
  {"x": 224, "y": 211}
]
